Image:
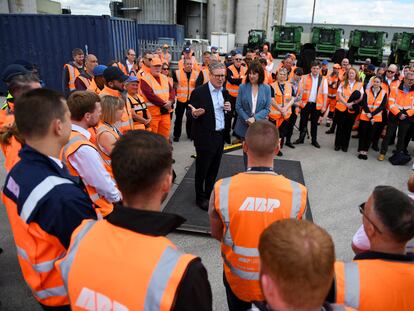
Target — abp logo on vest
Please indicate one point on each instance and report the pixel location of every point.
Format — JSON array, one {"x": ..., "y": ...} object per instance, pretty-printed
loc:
[
  {"x": 94, "y": 301},
  {"x": 263, "y": 205}
]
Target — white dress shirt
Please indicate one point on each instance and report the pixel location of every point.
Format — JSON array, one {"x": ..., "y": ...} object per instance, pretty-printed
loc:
[
  {"x": 129, "y": 66},
  {"x": 57, "y": 161},
  {"x": 314, "y": 90},
  {"x": 254, "y": 101},
  {"x": 218, "y": 103},
  {"x": 89, "y": 165}
]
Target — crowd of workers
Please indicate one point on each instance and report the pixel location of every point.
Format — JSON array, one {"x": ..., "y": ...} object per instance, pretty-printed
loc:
[{"x": 88, "y": 171}]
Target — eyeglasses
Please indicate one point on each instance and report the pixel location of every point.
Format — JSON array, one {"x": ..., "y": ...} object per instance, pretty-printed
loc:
[
  {"x": 362, "y": 211},
  {"x": 390, "y": 71},
  {"x": 238, "y": 59},
  {"x": 219, "y": 76},
  {"x": 166, "y": 68},
  {"x": 150, "y": 59}
]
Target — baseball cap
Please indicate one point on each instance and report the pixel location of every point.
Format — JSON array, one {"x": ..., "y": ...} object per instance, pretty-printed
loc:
[
  {"x": 99, "y": 70},
  {"x": 215, "y": 48},
  {"x": 337, "y": 66},
  {"x": 325, "y": 62},
  {"x": 187, "y": 50},
  {"x": 371, "y": 67},
  {"x": 156, "y": 62},
  {"x": 114, "y": 74},
  {"x": 131, "y": 79},
  {"x": 12, "y": 71}
]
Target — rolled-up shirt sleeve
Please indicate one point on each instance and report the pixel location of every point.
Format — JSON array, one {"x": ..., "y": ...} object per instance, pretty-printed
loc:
[{"x": 88, "y": 163}]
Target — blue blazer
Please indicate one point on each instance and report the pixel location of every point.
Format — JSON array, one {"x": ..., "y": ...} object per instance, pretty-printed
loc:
[{"x": 244, "y": 106}]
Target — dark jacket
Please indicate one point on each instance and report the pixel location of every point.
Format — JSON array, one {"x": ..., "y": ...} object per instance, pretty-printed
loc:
[
  {"x": 204, "y": 126},
  {"x": 194, "y": 291}
]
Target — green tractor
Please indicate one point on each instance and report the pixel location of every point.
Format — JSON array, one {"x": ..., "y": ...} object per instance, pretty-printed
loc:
[
  {"x": 286, "y": 39},
  {"x": 255, "y": 40},
  {"x": 326, "y": 40},
  {"x": 402, "y": 48},
  {"x": 366, "y": 44}
]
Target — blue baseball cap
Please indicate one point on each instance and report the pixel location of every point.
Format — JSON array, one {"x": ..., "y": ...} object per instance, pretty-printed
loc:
[
  {"x": 131, "y": 79},
  {"x": 214, "y": 48},
  {"x": 187, "y": 50},
  {"x": 98, "y": 70},
  {"x": 325, "y": 62},
  {"x": 12, "y": 71}
]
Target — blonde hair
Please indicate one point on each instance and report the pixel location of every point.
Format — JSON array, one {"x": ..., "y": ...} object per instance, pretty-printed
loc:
[{"x": 110, "y": 104}]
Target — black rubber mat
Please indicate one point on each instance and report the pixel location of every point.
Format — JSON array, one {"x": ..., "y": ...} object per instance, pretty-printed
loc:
[{"x": 182, "y": 201}]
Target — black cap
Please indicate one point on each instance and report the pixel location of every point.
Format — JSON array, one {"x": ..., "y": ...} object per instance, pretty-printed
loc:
[
  {"x": 114, "y": 74},
  {"x": 12, "y": 71}
]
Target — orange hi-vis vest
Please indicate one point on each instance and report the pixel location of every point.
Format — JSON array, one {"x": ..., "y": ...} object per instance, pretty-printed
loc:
[
  {"x": 184, "y": 86},
  {"x": 307, "y": 88},
  {"x": 162, "y": 90},
  {"x": 341, "y": 73},
  {"x": 246, "y": 212},
  {"x": 268, "y": 77},
  {"x": 346, "y": 93},
  {"x": 373, "y": 103},
  {"x": 119, "y": 269},
  {"x": 122, "y": 67},
  {"x": 333, "y": 83},
  {"x": 400, "y": 101},
  {"x": 126, "y": 123},
  {"x": 281, "y": 98},
  {"x": 11, "y": 153},
  {"x": 232, "y": 88},
  {"x": 102, "y": 128},
  {"x": 392, "y": 87},
  {"x": 37, "y": 250},
  {"x": 76, "y": 141},
  {"x": 139, "y": 106},
  {"x": 73, "y": 74},
  {"x": 375, "y": 284},
  {"x": 196, "y": 66},
  {"x": 206, "y": 75},
  {"x": 90, "y": 84}
]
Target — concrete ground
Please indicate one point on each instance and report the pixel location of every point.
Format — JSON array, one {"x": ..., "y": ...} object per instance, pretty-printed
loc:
[{"x": 337, "y": 182}]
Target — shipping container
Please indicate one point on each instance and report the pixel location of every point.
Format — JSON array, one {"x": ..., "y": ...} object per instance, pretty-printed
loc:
[
  {"x": 48, "y": 40},
  {"x": 224, "y": 41},
  {"x": 152, "y": 32}
]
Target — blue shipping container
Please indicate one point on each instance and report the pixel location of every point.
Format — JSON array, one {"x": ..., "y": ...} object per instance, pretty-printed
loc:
[
  {"x": 48, "y": 40},
  {"x": 154, "y": 31}
]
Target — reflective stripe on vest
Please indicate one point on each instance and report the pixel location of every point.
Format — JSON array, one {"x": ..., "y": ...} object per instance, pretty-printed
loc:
[
  {"x": 39, "y": 192},
  {"x": 227, "y": 238},
  {"x": 281, "y": 98},
  {"x": 232, "y": 88},
  {"x": 206, "y": 76},
  {"x": 352, "y": 282},
  {"x": 307, "y": 89},
  {"x": 51, "y": 292},
  {"x": 346, "y": 93},
  {"x": 184, "y": 86},
  {"x": 373, "y": 103},
  {"x": 73, "y": 74},
  {"x": 45, "y": 266}
]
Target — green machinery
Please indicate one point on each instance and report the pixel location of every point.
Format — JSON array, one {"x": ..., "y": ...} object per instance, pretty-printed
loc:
[
  {"x": 255, "y": 41},
  {"x": 286, "y": 39},
  {"x": 366, "y": 44},
  {"x": 326, "y": 40},
  {"x": 402, "y": 48}
]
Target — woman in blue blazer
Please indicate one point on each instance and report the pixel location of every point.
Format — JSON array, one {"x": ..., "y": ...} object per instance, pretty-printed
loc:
[{"x": 253, "y": 100}]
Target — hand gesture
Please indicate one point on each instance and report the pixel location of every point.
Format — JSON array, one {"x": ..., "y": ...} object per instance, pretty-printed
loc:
[{"x": 227, "y": 106}]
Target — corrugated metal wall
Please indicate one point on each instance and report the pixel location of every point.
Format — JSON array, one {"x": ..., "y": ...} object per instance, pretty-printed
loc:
[
  {"x": 48, "y": 40},
  {"x": 155, "y": 31},
  {"x": 156, "y": 11}
]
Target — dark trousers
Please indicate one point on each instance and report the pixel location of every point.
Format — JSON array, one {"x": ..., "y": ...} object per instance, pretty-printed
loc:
[
  {"x": 179, "y": 112},
  {"x": 367, "y": 130},
  {"x": 207, "y": 165},
  {"x": 393, "y": 124},
  {"x": 409, "y": 136},
  {"x": 233, "y": 302},
  {"x": 344, "y": 123},
  {"x": 377, "y": 135},
  {"x": 309, "y": 112},
  {"x": 232, "y": 101},
  {"x": 290, "y": 125}
]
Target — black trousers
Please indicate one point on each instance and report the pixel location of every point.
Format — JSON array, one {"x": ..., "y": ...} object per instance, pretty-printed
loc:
[
  {"x": 311, "y": 112},
  {"x": 393, "y": 124},
  {"x": 232, "y": 101},
  {"x": 60, "y": 308},
  {"x": 409, "y": 136},
  {"x": 207, "y": 165},
  {"x": 377, "y": 135},
  {"x": 291, "y": 124},
  {"x": 344, "y": 123},
  {"x": 179, "y": 113},
  {"x": 367, "y": 130},
  {"x": 233, "y": 302}
]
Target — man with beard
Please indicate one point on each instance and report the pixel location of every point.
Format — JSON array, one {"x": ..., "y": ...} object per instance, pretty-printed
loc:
[{"x": 82, "y": 157}]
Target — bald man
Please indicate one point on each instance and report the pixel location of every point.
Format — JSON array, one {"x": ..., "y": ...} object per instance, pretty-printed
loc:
[{"x": 85, "y": 80}]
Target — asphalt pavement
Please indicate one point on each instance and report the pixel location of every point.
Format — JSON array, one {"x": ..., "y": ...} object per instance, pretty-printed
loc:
[{"x": 337, "y": 182}]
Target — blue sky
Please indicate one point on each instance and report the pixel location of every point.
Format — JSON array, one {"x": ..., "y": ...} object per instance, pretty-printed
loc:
[{"x": 362, "y": 12}]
